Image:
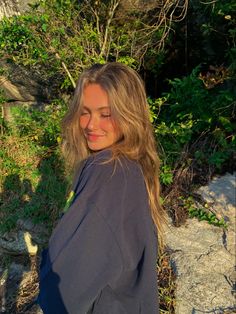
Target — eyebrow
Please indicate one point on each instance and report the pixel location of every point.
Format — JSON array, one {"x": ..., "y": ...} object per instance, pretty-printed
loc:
[{"x": 99, "y": 108}]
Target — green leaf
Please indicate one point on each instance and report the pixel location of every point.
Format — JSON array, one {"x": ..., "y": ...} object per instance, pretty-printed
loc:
[{"x": 44, "y": 27}]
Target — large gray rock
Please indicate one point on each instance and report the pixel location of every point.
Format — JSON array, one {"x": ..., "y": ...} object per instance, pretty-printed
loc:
[
  {"x": 203, "y": 266},
  {"x": 24, "y": 85},
  {"x": 25, "y": 239},
  {"x": 220, "y": 194},
  {"x": 13, "y": 7},
  {"x": 203, "y": 256},
  {"x": 15, "y": 243}
]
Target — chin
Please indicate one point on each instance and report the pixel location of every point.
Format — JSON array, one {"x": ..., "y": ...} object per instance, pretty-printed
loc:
[{"x": 96, "y": 148}]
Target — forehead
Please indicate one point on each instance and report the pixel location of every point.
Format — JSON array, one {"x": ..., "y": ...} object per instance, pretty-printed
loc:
[{"x": 94, "y": 96}]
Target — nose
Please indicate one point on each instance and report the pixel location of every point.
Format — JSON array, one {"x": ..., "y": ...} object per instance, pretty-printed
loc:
[{"x": 92, "y": 123}]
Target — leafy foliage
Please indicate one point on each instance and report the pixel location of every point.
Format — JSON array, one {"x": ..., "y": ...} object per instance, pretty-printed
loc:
[
  {"x": 213, "y": 26},
  {"x": 191, "y": 111},
  {"x": 64, "y": 37},
  {"x": 32, "y": 177},
  {"x": 40, "y": 125},
  {"x": 59, "y": 38},
  {"x": 202, "y": 214}
]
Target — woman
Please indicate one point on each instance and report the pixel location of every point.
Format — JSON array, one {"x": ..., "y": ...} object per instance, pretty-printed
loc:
[{"x": 102, "y": 254}]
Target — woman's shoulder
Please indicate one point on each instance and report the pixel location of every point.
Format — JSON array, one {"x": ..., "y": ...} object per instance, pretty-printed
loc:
[
  {"x": 106, "y": 180},
  {"x": 104, "y": 166}
]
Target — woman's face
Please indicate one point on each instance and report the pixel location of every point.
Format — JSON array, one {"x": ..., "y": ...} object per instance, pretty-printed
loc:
[{"x": 96, "y": 121}]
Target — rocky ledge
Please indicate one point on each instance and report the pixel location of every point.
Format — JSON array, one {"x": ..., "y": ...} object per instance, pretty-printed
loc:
[{"x": 204, "y": 256}]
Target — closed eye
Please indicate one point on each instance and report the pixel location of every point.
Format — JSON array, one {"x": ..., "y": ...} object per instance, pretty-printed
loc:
[
  {"x": 83, "y": 113},
  {"x": 105, "y": 115}
]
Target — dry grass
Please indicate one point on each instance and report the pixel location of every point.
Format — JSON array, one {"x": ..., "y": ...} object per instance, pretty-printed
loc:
[{"x": 166, "y": 284}]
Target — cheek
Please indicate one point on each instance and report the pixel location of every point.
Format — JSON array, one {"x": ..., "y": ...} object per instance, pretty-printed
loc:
[
  {"x": 110, "y": 127},
  {"x": 106, "y": 125},
  {"x": 83, "y": 121}
]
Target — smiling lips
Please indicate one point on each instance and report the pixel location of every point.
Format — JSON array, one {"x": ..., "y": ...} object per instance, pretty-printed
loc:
[{"x": 91, "y": 137}]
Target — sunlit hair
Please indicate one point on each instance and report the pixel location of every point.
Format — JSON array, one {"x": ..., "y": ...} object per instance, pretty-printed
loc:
[{"x": 129, "y": 108}]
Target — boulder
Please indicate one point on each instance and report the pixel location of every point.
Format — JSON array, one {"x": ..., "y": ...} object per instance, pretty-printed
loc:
[
  {"x": 203, "y": 256},
  {"x": 220, "y": 194},
  {"x": 203, "y": 266},
  {"x": 25, "y": 239},
  {"x": 20, "y": 84},
  {"x": 17, "y": 243},
  {"x": 13, "y": 7}
]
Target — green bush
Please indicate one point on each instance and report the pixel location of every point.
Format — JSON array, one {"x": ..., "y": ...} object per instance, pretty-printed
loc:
[
  {"x": 189, "y": 112},
  {"x": 61, "y": 38},
  {"x": 40, "y": 125},
  {"x": 33, "y": 183}
]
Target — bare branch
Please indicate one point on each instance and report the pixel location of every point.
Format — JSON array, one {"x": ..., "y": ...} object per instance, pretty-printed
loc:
[{"x": 112, "y": 9}]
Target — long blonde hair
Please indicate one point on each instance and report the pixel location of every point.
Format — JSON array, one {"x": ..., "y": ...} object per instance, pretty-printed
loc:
[{"x": 129, "y": 107}]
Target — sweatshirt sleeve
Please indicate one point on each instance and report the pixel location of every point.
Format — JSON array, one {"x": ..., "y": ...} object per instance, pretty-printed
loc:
[{"x": 88, "y": 262}]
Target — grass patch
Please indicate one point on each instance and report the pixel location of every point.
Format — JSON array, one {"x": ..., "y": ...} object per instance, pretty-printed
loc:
[{"x": 32, "y": 182}]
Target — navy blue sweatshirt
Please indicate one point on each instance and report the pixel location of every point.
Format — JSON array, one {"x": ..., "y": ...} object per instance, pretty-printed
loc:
[{"x": 102, "y": 255}]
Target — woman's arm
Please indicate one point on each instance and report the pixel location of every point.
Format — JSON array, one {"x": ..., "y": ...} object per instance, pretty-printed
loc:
[{"x": 89, "y": 261}]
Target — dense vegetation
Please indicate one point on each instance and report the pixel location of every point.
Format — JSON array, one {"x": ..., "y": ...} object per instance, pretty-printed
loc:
[
  {"x": 188, "y": 64},
  {"x": 193, "y": 115}
]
